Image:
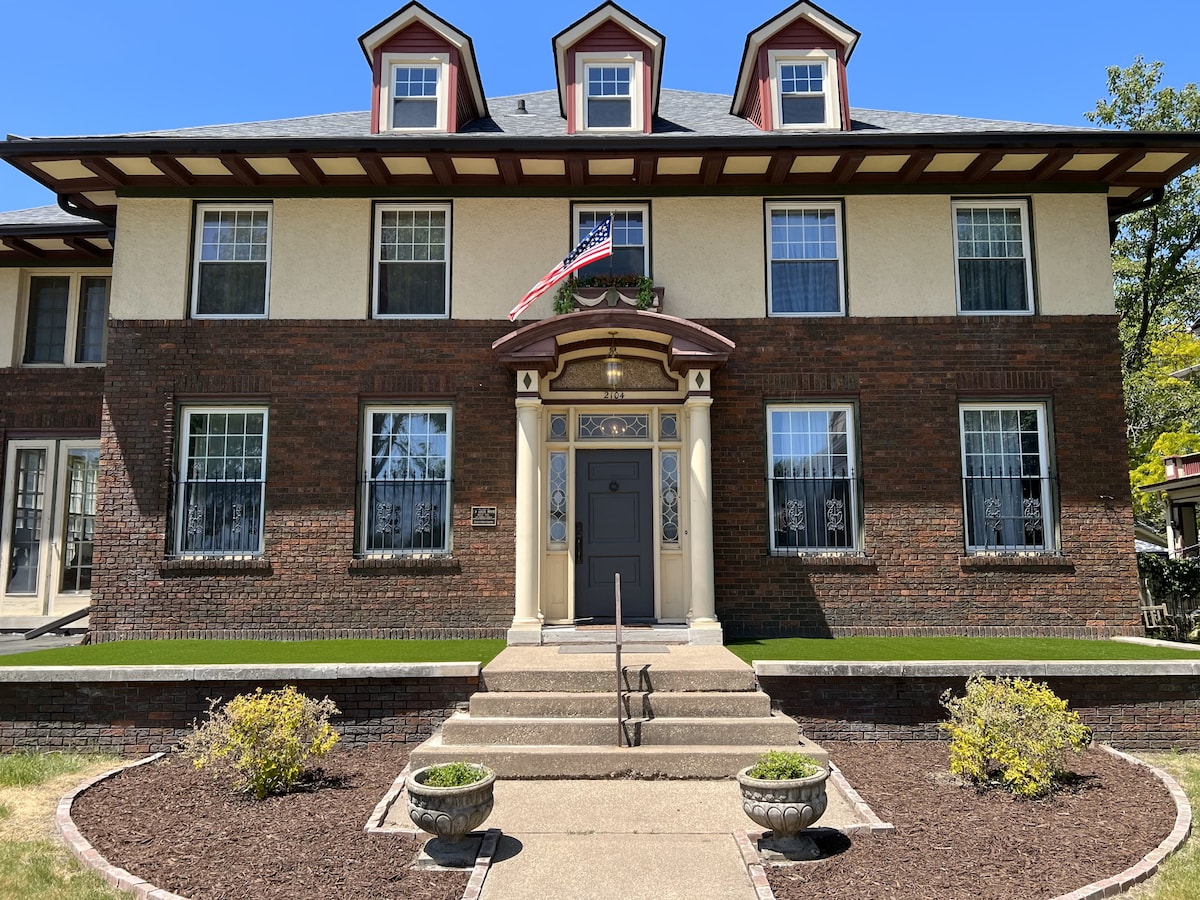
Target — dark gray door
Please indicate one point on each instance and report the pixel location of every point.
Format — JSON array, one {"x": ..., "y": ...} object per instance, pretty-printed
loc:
[{"x": 614, "y": 532}]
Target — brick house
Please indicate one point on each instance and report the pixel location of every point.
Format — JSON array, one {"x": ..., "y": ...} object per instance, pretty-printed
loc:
[{"x": 845, "y": 371}]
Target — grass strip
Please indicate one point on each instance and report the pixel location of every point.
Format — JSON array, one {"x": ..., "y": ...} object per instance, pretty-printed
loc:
[
  {"x": 887, "y": 649},
  {"x": 197, "y": 653}
]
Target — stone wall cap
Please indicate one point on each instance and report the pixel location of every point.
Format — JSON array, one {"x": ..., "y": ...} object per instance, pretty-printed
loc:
[
  {"x": 240, "y": 672},
  {"x": 936, "y": 668}
]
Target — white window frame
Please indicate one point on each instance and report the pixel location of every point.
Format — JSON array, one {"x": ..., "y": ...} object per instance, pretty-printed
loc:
[
  {"x": 620, "y": 207},
  {"x": 806, "y": 205},
  {"x": 1026, "y": 241},
  {"x": 365, "y": 511},
  {"x": 74, "y": 308},
  {"x": 851, "y": 511},
  {"x": 183, "y": 457},
  {"x": 832, "y": 92},
  {"x": 197, "y": 248},
  {"x": 634, "y": 62},
  {"x": 1048, "y": 498},
  {"x": 377, "y": 247},
  {"x": 393, "y": 61}
]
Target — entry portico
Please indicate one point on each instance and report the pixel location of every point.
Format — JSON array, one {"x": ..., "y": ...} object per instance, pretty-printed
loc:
[{"x": 614, "y": 469}]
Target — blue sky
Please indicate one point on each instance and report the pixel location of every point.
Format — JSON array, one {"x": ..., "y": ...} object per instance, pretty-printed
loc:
[{"x": 72, "y": 67}]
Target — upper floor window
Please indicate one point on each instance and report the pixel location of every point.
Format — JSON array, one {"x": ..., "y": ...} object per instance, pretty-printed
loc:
[
  {"x": 65, "y": 319},
  {"x": 991, "y": 256},
  {"x": 811, "y": 473},
  {"x": 232, "y": 268},
  {"x": 414, "y": 92},
  {"x": 805, "y": 256},
  {"x": 631, "y": 244},
  {"x": 805, "y": 89},
  {"x": 412, "y": 260},
  {"x": 1007, "y": 486},
  {"x": 611, "y": 94}
]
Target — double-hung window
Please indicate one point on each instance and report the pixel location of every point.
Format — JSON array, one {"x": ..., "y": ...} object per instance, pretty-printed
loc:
[
  {"x": 65, "y": 319},
  {"x": 631, "y": 239},
  {"x": 992, "y": 263},
  {"x": 805, "y": 89},
  {"x": 811, "y": 473},
  {"x": 412, "y": 260},
  {"x": 231, "y": 271},
  {"x": 806, "y": 262},
  {"x": 1007, "y": 486},
  {"x": 608, "y": 91},
  {"x": 413, "y": 92},
  {"x": 405, "y": 485},
  {"x": 221, "y": 481}
]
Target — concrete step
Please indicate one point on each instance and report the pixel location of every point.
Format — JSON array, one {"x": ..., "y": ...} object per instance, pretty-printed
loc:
[
  {"x": 602, "y": 680},
  {"x": 637, "y": 704},
  {"x": 568, "y": 761},
  {"x": 462, "y": 728},
  {"x": 658, "y": 634}
]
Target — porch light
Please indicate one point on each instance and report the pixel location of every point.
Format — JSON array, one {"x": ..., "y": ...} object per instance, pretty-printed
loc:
[{"x": 614, "y": 369}]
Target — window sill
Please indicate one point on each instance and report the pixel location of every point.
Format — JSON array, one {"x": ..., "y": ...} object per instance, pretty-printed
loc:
[
  {"x": 1037, "y": 561},
  {"x": 214, "y": 565},
  {"x": 416, "y": 565},
  {"x": 819, "y": 560}
]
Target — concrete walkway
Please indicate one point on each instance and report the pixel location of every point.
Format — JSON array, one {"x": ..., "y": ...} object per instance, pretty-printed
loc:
[
  {"x": 632, "y": 839},
  {"x": 16, "y": 643}
]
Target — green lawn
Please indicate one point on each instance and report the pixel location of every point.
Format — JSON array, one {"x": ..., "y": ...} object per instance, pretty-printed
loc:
[
  {"x": 1179, "y": 876},
  {"x": 881, "y": 649},
  {"x": 193, "y": 653}
]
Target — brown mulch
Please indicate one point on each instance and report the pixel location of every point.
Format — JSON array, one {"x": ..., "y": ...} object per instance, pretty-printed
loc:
[
  {"x": 953, "y": 842},
  {"x": 182, "y": 831}
]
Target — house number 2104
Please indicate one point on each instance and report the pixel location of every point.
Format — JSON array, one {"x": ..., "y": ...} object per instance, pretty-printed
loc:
[{"x": 614, "y": 395}]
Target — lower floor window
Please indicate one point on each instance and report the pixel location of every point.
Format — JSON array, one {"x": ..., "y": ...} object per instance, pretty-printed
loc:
[
  {"x": 221, "y": 482},
  {"x": 813, "y": 492},
  {"x": 1007, "y": 489},
  {"x": 406, "y": 481}
]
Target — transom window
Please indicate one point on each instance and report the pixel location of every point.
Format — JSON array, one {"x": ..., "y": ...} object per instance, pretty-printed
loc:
[
  {"x": 806, "y": 266},
  {"x": 65, "y": 321},
  {"x": 1007, "y": 487},
  {"x": 405, "y": 501},
  {"x": 631, "y": 246},
  {"x": 232, "y": 266},
  {"x": 609, "y": 102},
  {"x": 412, "y": 260},
  {"x": 802, "y": 93},
  {"x": 813, "y": 493},
  {"x": 221, "y": 481},
  {"x": 991, "y": 256}
]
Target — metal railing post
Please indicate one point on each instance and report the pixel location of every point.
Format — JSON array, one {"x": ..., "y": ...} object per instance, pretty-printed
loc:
[{"x": 617, "y": 635}]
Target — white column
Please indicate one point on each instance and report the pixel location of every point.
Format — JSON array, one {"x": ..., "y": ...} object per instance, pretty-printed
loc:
[
  {"x": 703, "y": 615},
  {"x": 527, "y": 622}
]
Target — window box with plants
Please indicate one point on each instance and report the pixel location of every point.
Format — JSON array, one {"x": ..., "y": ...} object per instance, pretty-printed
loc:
[
  {"x": 614, "y": 291},
  {"x": 450, "y": 800}
]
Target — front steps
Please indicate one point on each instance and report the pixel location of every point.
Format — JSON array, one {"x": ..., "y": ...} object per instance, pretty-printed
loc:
[{"x": 690, "y": 711}]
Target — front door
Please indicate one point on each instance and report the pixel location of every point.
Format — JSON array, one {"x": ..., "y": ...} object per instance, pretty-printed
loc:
[
  {"x": 614, "y": 532},
  {"x": 49, "y": 518}
]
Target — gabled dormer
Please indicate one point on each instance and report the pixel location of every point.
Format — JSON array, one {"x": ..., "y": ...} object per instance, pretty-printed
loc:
[
  {"x": 793, "y": 72},
  {"x": 424, "y": 74},
  {"x": 609, "y": 67}
]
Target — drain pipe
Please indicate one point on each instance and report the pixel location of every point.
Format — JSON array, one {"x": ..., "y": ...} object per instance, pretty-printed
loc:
[{"x": 109, "y": 219}]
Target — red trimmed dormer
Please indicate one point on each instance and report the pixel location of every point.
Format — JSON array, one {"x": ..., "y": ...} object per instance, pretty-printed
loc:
[
  {"x": 609, "y": 67},
  {"x": 424, "y": 74},
  {"x": 793, "y": 72}
]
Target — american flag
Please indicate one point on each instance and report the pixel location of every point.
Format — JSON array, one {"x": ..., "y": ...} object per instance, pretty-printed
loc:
[{"x": 597, "y": 245}]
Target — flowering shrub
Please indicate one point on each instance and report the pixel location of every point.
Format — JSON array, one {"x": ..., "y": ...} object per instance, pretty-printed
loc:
[
  {"x": 264, "y": 739},
  {"x": 1013, "y": 731}
]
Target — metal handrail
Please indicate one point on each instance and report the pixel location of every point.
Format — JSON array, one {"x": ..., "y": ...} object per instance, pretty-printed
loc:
[{"x": 620, "y": 672}]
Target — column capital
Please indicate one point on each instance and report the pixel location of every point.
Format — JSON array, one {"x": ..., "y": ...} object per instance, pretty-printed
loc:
[{"x": 529, "y": 403}]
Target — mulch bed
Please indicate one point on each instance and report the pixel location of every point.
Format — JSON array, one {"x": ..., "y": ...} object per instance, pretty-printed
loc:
[
  {"x": 953, "y": 842},
  {"x": 182, "y": 831}
]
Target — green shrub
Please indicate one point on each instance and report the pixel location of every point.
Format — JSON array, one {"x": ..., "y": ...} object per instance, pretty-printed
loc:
[
  {"x": 453, "y": 774},
  {"x": 1013, "y": 731},
  {"x": 783, "y": 765},
  {"x": 263, "y": 739}
]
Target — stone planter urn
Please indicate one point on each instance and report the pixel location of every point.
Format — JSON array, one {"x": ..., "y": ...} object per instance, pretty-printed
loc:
[
  {"x": 449, "y": 813},
  {"x": 786, "y": 806}
]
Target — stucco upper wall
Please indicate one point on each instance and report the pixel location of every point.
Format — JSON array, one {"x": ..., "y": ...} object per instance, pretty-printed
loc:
[
  {"x": 150, "y": 259},
  {"x": 1072, "y": 258},
  {"x": 320, "y": 259},
  {"x": 10, "y": 301}
]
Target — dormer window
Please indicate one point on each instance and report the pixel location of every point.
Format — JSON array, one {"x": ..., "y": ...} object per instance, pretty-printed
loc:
[
  {"x": 414, "y": 94},
  {"x": 805, "y": 90},
  {"x": 609, "y": 92}
]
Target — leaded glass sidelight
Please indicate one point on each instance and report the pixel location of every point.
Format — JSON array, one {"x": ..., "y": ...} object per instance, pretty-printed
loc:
[
  {"x": 79, "y": 526},
  {"x": 558, "y": 499},
  {"x": 28, "y": 517},
  {"x": 406, "y": 483},
  {"x": 669, "y": 487}
]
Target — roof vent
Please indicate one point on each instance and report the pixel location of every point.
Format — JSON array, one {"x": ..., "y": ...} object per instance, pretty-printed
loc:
[{"x": 521, "y": 110}]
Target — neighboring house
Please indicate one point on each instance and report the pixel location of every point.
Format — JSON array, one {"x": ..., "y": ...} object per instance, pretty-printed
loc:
[
  {"x": 1181, "y": 493},
  {"x": 877, "y": 387}
]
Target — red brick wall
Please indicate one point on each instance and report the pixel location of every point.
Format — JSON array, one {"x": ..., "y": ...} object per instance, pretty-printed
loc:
[
  {"x": 50, "y": 401},
  {"x": 906, "y": 375}
]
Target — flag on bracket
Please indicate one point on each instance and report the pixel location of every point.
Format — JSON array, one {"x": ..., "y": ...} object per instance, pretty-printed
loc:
[{"x": 597, "y": 245}]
